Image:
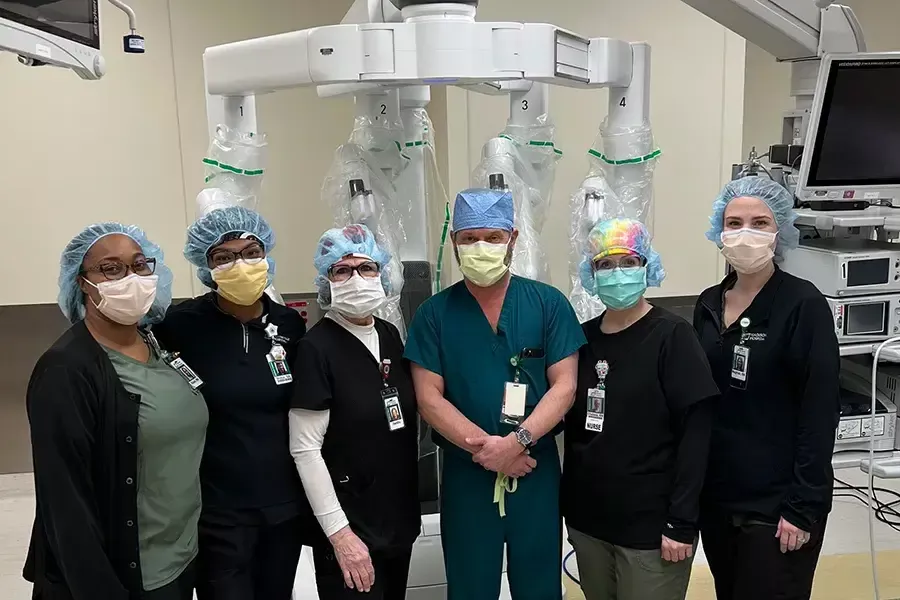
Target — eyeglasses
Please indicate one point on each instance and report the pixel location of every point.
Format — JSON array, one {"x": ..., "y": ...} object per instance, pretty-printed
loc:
[
  {"x": 341, "y": 273},
  {"x": 222, "y": 258},
  {"x": 624, "y": 261},
  {"x": 116, "y": 269}
]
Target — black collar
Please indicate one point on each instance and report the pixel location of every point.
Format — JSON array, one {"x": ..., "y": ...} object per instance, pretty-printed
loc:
[
  {"x": 357, "y": 343},
  {"x": 212, "y": 303},
  {"x": 759, "y": 310}
]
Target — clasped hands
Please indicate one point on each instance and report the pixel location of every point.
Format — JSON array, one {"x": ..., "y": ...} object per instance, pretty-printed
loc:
[{"x": 502, "y": 454}]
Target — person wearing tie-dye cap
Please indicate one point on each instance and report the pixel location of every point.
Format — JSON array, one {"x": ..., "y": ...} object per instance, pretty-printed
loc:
[{"x": 637, "y": 437}]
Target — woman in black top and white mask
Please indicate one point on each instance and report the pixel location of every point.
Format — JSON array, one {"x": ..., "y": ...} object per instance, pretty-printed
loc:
[
  {"x": 770, "y": 340},
  {"x": 353, "y": 426},
  {"x": 109, "y": 409},
  {"x": 255, "y": 516}
]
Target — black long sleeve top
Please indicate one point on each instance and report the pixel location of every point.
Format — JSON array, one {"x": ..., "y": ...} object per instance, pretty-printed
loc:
[{"x": 773, "y": 435}]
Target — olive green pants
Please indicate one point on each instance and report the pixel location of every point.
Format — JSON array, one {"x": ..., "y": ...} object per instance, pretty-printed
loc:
[{"x": 609, "y": 572}]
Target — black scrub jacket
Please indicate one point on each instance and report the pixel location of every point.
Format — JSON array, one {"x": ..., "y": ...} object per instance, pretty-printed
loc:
[
  {"x": 84, "y": 427},
  {"x": 247, "y": 462},
  {"x": 772, "y": 442},
  {"x": 374, "y": 469}
]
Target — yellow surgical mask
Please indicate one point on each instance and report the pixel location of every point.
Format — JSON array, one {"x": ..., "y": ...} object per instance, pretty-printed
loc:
[
  {"x": 483, "y": 263},
  {"x": 242, "y": 283}
]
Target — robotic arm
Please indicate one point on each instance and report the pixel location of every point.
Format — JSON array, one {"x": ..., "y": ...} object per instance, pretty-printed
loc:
[{"x": 790, "y": 30}]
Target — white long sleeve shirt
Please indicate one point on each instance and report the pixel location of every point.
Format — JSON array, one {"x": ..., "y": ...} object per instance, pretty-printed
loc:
[{"x": 307, "y": 435}]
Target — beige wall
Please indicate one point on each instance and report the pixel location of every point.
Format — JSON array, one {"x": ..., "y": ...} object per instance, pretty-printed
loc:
[
  {"x": 128, "y": 147},
  {"x": 768, "y": 85},
  {"x": 696, "y": 104}
]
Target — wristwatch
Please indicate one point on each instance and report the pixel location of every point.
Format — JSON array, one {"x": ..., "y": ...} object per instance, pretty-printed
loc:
[{"x": 523, "y": 436}]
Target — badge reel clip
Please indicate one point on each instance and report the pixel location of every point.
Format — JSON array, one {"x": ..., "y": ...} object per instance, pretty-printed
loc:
[
  {"x": 277, "y": 356},
  {"x": 740, "y": 360},
  {"x": 175, "y": 363},
  {"x": 515, "y": 394},
  {"x": 391, "y": 399},
  {"x": 596, "y": 399}
]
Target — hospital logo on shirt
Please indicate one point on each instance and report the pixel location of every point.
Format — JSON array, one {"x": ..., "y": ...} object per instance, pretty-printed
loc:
[{"x": 754, "y": 337}]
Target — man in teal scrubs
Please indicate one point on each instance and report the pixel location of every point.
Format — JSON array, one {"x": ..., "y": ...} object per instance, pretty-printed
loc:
[{"x": 494, "y": 364}]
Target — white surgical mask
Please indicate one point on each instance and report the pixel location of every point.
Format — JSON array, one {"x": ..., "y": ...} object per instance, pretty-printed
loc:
[
  {"x": 358, "y": 297},
  {"x": 126, "y": 301},
  {"x": 748, "y": 250}
]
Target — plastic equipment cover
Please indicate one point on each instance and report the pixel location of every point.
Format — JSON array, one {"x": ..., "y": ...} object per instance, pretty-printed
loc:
[
  {"x": 378, "y": 208},
  {"x": 235, "y": 165},
  {"x": 619, "y": 184},
  {"x": 422, "y": 140},
  {"x": 526, "y": 157},
  {"x": 382, "y": 138}
]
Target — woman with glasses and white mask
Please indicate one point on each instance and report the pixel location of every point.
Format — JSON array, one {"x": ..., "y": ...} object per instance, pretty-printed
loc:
[
  {"x": 353, "y": 425},
  {"x": 108, "y": 407},
  {"x": 770, "y": 340},
  {"x": 241, "y": 344},
  {"x": 637, "y": 436}
]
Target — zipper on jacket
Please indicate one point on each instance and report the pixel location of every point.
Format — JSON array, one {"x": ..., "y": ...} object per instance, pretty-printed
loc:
[{"x": 246, "y": 338}]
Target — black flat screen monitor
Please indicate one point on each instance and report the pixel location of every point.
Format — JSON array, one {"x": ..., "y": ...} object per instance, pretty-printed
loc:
[{"x": 74, "y": 20}]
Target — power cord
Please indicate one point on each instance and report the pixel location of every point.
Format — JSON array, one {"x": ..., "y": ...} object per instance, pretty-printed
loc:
[
  {"x": 874, "y": 508},
  {"x": 884, "y": 512}
]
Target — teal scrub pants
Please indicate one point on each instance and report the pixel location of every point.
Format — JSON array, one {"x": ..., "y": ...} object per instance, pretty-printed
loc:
[{"x": 473, "y": 533}]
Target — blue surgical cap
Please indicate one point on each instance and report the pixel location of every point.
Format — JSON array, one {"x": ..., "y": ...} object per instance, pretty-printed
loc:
[
  {"x": 335, "y": 244},
  {"x": 483, "y": 209},
  {"x": 71, "y": 298},
  {"x": 619, "y": 236},
  {"x": 779, "y": 200},
  {"x": 215, "y": 227}
]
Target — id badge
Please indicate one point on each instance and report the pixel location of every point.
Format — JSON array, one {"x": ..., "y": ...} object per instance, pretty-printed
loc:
[
  {"x": 740, "y": 367},
  {"x": 514, "y": 398},
  {"x": 186, "y": 373},
  {"x": 596, "y": 409},
  {"x": 392, "y": 409},
  {"x": 280, "y": 370}
]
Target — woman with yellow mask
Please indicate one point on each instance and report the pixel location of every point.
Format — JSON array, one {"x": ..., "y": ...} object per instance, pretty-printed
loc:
[{"x": 241, "y": 344}]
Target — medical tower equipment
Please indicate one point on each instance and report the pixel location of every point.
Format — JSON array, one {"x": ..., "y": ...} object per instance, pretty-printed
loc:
[
  {"x": 62, "y": 33},
  {"x": 387, "y": 53}
]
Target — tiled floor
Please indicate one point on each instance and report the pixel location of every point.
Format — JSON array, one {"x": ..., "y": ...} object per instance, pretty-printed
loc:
[
  {"x": 844, "y": 572},
  {"x": 16, "y": 515}
]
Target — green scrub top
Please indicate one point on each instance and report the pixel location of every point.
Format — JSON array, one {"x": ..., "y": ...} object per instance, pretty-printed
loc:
[
  {"x": 450, "y": 336},
  {"x": 172, "y": 423}
]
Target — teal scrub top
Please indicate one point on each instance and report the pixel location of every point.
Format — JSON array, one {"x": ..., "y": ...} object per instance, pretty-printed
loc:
[{"x": 451, "y": 337}]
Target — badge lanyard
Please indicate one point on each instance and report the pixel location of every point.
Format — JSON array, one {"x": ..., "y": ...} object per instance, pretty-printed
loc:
[
  {"x": 515, "y": 395},
  {"x": 174, "y": 362},
  {"x": 277, "y": 356},
  {"x": 740, "y": 360},
  {"x": 596, "y": 399},
  {"x": 391, "y": 398}
]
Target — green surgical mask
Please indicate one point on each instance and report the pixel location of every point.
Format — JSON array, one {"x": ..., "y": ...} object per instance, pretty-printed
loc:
[
  {"x": 620, "y": 288},
  {"x": 483, "y": 263}
]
